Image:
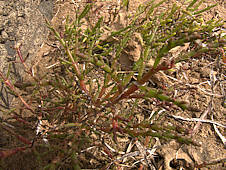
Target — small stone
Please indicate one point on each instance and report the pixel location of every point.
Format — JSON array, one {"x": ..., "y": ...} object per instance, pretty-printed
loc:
[
  {"x": 4, "y": 35},
  {"x": 205, "y": 72},
  {"x": 185, "y": 66},
  {"x": 20, "y": 14}
]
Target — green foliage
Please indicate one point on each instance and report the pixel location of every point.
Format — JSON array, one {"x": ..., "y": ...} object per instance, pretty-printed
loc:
[{"x": 86, "y": 97}]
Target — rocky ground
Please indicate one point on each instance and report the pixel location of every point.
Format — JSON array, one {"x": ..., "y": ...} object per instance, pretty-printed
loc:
[{"x": 21, "y": 23}]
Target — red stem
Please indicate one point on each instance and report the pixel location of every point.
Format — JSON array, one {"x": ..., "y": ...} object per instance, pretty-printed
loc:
[
  {"x": 23, "y": 62},
  {"x": 143, "y": 80},
  {"x": 7, "y": 153},
  {"x": 7, "y": 82},
  {"x": 19, "y": 137}
]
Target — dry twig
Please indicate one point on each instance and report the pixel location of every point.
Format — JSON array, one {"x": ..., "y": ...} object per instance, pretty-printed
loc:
[{"x": 197, "y": 120}]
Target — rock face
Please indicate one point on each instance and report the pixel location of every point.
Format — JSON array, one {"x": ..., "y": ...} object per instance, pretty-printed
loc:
[{"x": 21, "y": 22}]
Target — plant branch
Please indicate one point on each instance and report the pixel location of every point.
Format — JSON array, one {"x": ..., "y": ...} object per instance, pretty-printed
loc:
[{"x": 11, "y": 87}]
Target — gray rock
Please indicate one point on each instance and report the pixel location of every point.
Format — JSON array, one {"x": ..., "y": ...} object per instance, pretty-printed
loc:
[{"x": 21, "y": 22}]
